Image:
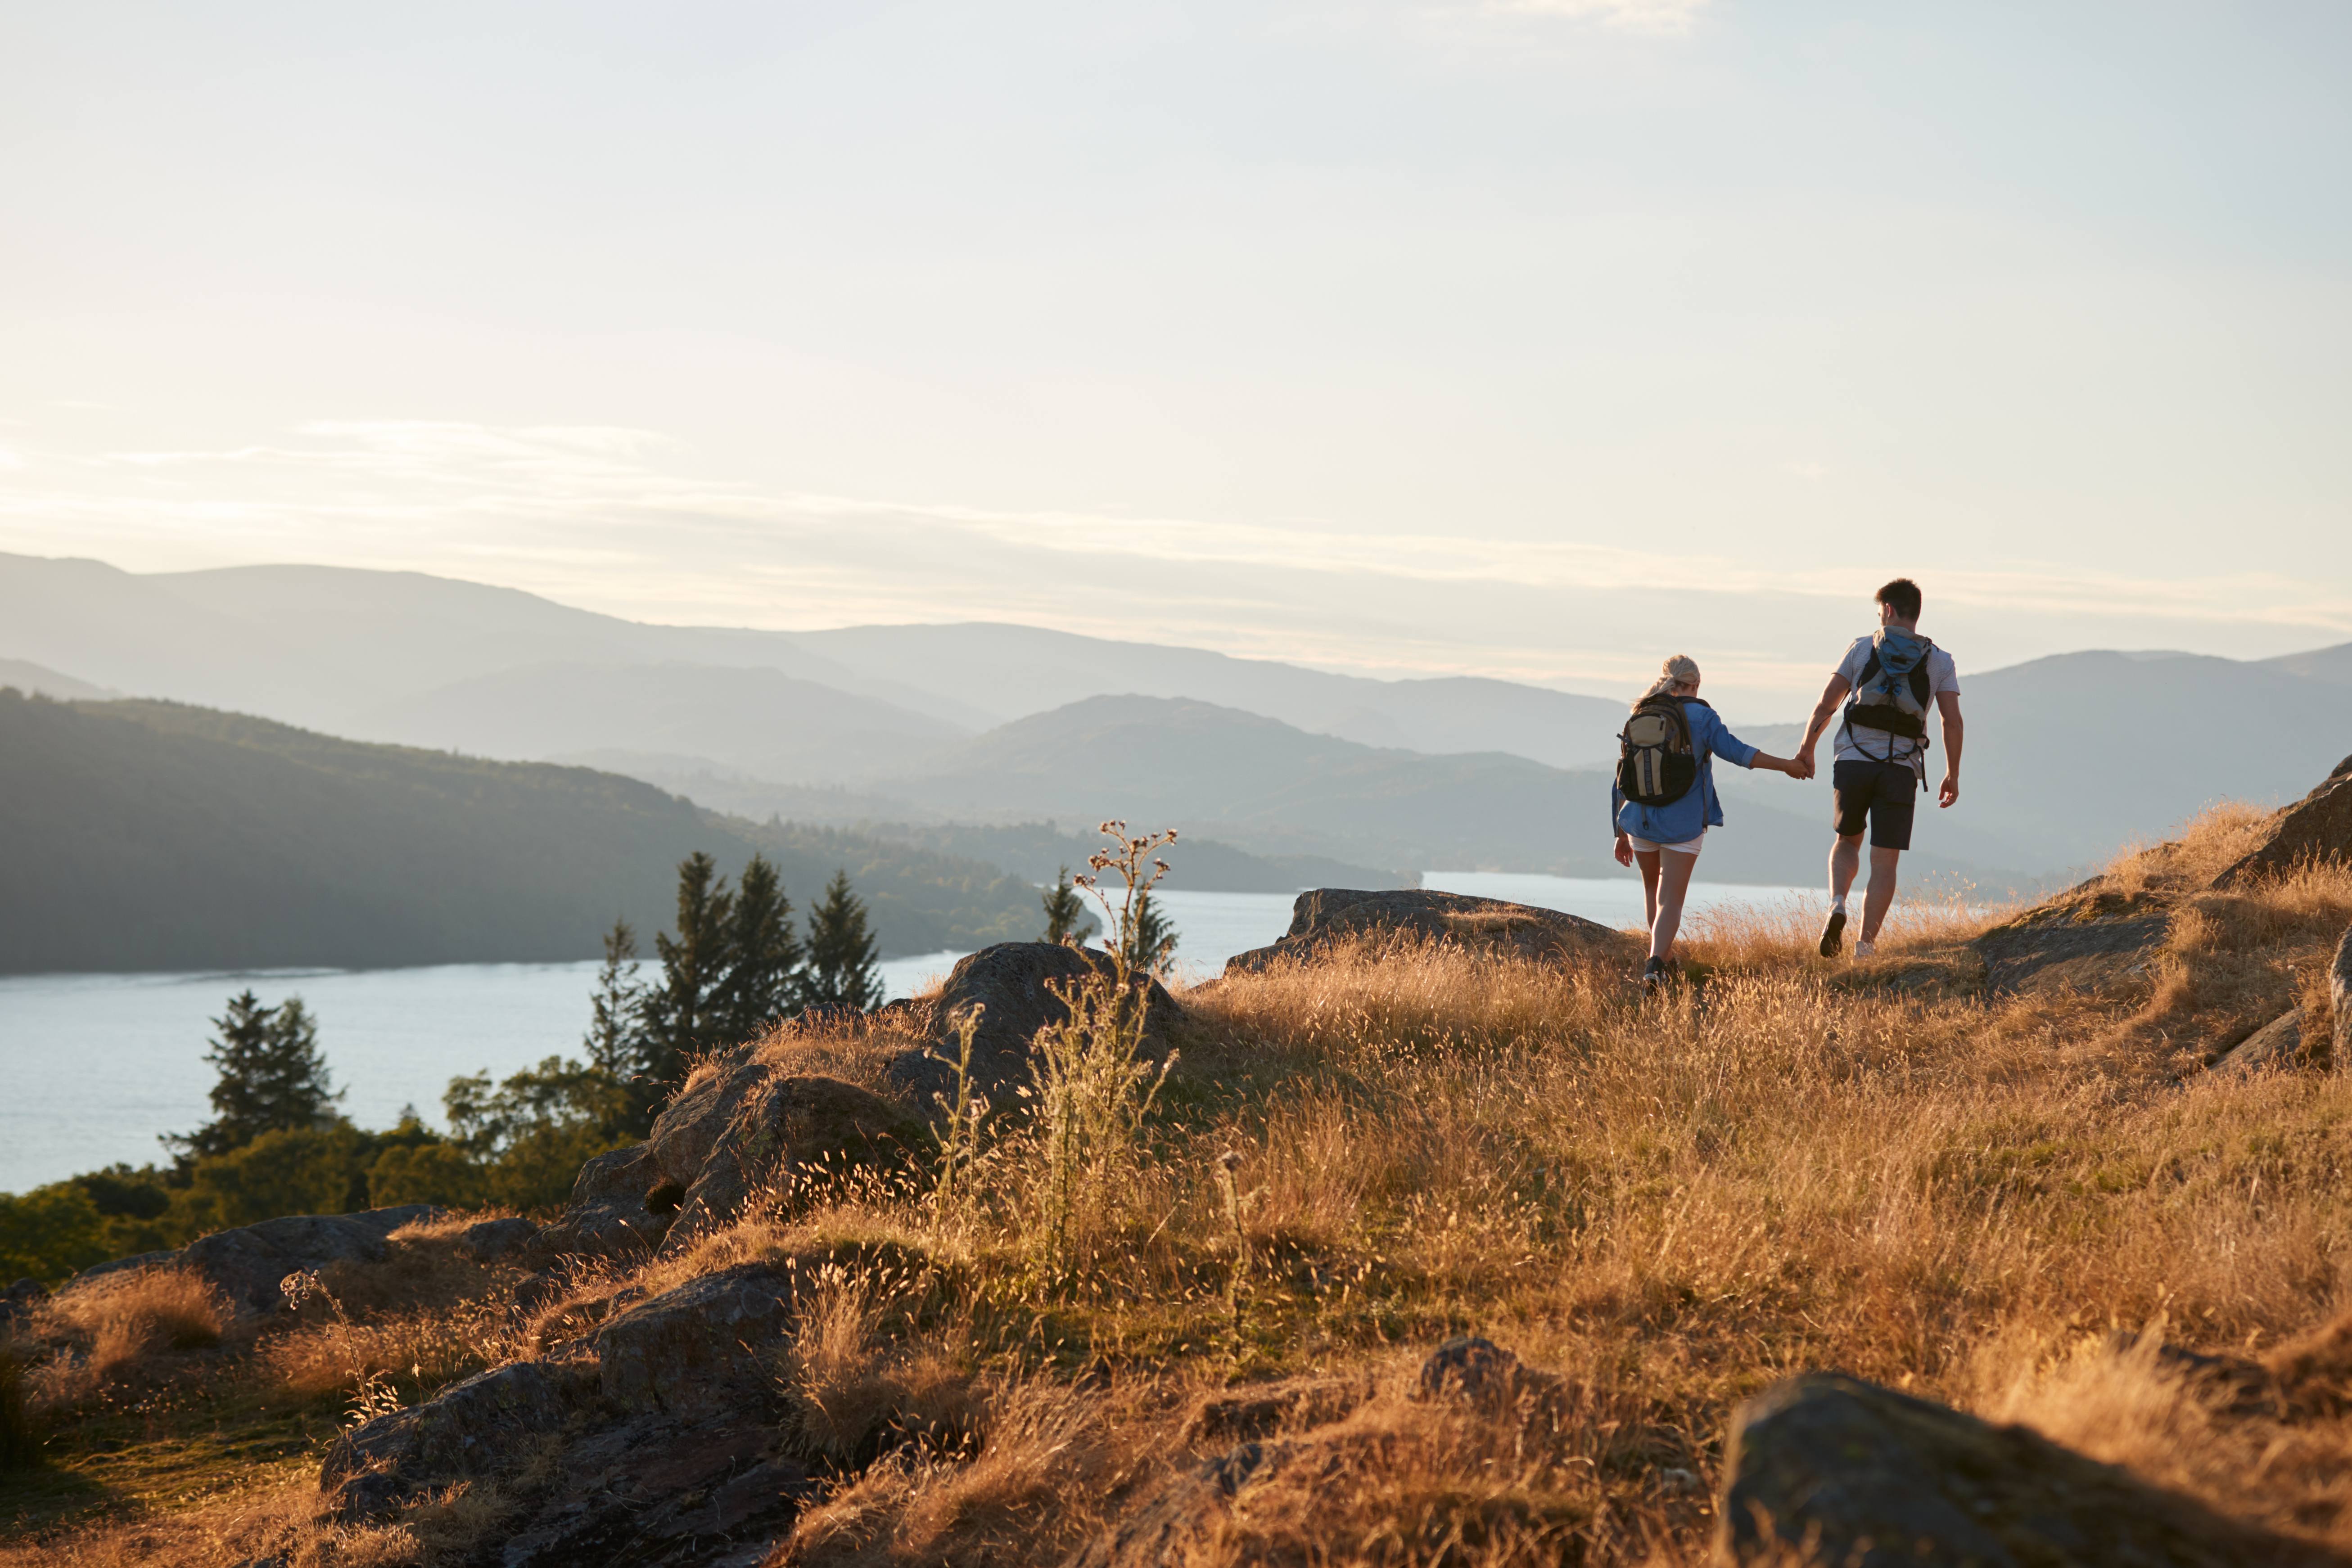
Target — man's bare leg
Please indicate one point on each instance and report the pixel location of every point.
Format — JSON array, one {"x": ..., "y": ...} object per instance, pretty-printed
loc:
[
  {"x": 1845, "y": 862},
  {"x": 1880, "y": 896}
]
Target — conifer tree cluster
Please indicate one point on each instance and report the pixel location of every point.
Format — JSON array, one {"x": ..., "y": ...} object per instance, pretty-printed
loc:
[{"x": 733, "y": 967}]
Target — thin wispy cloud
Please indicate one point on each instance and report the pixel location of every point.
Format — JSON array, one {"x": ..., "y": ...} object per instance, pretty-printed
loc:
[
  {"x": 1666, "y": 17},
  {"x": 616, "y": 518}
]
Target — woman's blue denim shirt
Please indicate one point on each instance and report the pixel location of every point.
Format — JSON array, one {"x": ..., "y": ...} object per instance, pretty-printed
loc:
[{"x": 1698, "y": 810}]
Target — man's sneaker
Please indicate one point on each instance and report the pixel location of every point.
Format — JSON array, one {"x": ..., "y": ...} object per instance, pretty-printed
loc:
[
  {"x": 1653, "y": 975},
  {"x": 1832, "y": 933},
  {"x": 1865, "y": 948}
]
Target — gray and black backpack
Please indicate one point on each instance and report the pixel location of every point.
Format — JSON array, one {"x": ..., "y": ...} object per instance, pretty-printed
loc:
[
  {"x": 1894, "y": 693},
  {"x": 1656, "y": 764}
]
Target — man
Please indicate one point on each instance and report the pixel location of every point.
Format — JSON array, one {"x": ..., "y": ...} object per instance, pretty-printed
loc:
[{"x": 1895, "y": 676}]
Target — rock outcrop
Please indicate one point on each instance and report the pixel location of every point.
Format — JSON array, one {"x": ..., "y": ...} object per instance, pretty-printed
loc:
[
  {"x": 753, "y": 1131},
  {"x": 1013, "y": 983},
  {"x": 739, "y": 1131},
  {"x": 2316, "y": 828},
  {"x": 2086, "y": 938},
  {"x": 1328, "y": 914},
  {"x": 1853, "y": 1473},
  {"x": 246, "y": 1264}
]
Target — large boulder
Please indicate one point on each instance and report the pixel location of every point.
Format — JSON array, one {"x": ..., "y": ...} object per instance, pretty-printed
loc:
[
  {"x": 750, "y": 1130},
  {"x": 1328, "y": 914},
  {"x": 700, "y": 1349},
  {"x": 1852, "y": 1473},
  {"x": 2088, "y": 938},
  {"x": 1013, "y": 983},
  {"x": 2316, "y": 828},
  {"x": 247, "y": 1264}
]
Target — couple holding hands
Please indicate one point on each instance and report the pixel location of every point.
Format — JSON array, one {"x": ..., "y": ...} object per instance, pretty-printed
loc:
[{"x": 1663, "y": 800}]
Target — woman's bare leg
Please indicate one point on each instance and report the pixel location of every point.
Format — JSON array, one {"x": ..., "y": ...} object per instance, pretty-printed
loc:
[
  {"x": 1666, "y": 917},
  {"x": 1648, "y": 860}
]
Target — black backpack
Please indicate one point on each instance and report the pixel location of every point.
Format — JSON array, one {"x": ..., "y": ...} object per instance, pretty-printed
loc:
[
  {"x": 1877, "y": 701},
  {"x": 1656, "y": 765}
]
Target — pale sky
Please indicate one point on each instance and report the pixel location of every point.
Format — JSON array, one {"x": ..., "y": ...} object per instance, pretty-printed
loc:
[{"x": 1530, "y": 337}]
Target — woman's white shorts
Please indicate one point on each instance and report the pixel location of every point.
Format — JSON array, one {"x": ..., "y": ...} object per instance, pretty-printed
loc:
[{"x": 1651, "y": 846}]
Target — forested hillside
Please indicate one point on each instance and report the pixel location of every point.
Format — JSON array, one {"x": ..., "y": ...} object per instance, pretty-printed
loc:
[{"x": 146, "y": 836}]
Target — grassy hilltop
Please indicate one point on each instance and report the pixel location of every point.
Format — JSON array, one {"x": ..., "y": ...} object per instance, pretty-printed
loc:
[{"x": 1884, "y": 1168}]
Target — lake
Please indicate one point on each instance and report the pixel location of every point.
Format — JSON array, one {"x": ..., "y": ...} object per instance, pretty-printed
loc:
[{"x": 100, "y": 1065}]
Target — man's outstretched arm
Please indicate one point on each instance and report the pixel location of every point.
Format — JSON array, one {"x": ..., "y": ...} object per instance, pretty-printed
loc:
[
  {"x": 1832, "y": 697},
  {"x": 1954, "y": 733}
]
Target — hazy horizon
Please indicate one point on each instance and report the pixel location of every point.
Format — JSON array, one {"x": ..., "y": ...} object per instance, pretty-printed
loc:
[{"x": 1533, "y": 340}]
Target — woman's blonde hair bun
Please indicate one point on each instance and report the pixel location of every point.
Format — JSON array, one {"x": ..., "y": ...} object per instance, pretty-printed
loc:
[{"x": 1679, "y": 670}]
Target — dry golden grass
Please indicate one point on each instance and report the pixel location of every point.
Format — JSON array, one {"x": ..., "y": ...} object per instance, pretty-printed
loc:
[
  {"x": 123, "y": 1322},
  {"x": 1674, "y": 1202},
  {"x": 2001, "y": 1202}
]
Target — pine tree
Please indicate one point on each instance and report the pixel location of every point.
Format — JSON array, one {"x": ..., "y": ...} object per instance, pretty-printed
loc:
[
  {"x": 682, "y": 1013},
  {"x": 763, "y": 982},
  {"x": 271, "y": 1078},
  {"x": 616, "y": 1023},
  {"x": 1149, "y": 936},
  {"x": 841, "y": 974},
  {"x": 1065, "y": 911}
]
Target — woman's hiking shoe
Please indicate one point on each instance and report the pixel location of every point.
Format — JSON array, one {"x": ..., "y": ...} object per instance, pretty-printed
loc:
[
  {"x": 1865, "y": 950},
  {"x": 1653, "y": 975},
  {"x": 1832, "y": 933}
]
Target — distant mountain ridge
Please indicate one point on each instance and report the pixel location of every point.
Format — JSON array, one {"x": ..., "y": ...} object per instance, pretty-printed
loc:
[
  {"x": 2068, "y": 757},
  {"x": 147, "y": 835},
  {"x": 1256, "y": 782}
]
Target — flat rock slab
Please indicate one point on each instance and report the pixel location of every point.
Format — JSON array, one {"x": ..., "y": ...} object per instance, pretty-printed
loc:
[
  {"x": 1874, "y": 1479},
  {"x": 2082, "y": 940},
  {"x": 246, "y": 1264},
  {"x": 1328, "y": 914}
]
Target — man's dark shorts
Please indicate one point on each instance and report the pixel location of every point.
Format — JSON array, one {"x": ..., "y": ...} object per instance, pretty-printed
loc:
[{"x": 1883, "y": 794}]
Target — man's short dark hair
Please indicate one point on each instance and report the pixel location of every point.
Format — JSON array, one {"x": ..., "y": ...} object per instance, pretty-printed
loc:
[{"x": 1901, "y": 596}]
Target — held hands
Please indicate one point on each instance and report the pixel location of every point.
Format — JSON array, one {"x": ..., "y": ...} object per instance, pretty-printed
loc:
[{"x": 1801, "y": 766}]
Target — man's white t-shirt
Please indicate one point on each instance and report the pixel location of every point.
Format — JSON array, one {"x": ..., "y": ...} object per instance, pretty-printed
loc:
[{"x": 1876, "y": 745}]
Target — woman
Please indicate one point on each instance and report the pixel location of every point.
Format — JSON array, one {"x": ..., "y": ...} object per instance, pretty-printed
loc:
[{"x": 1665, "y": 839}]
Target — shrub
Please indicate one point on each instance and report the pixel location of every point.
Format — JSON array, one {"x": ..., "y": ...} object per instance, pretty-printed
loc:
[
  {"x": 299, "y": 1171},
  {"x": 141, "y": 1312},
  {"x": 427, "y": 1173},
  {"x": 49, "y": 1232}
]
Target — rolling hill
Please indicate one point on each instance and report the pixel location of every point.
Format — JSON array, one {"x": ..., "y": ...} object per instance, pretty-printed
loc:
[
  {"x": 145, "y": 835},
  {"x": 1272, "y": 789}
]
